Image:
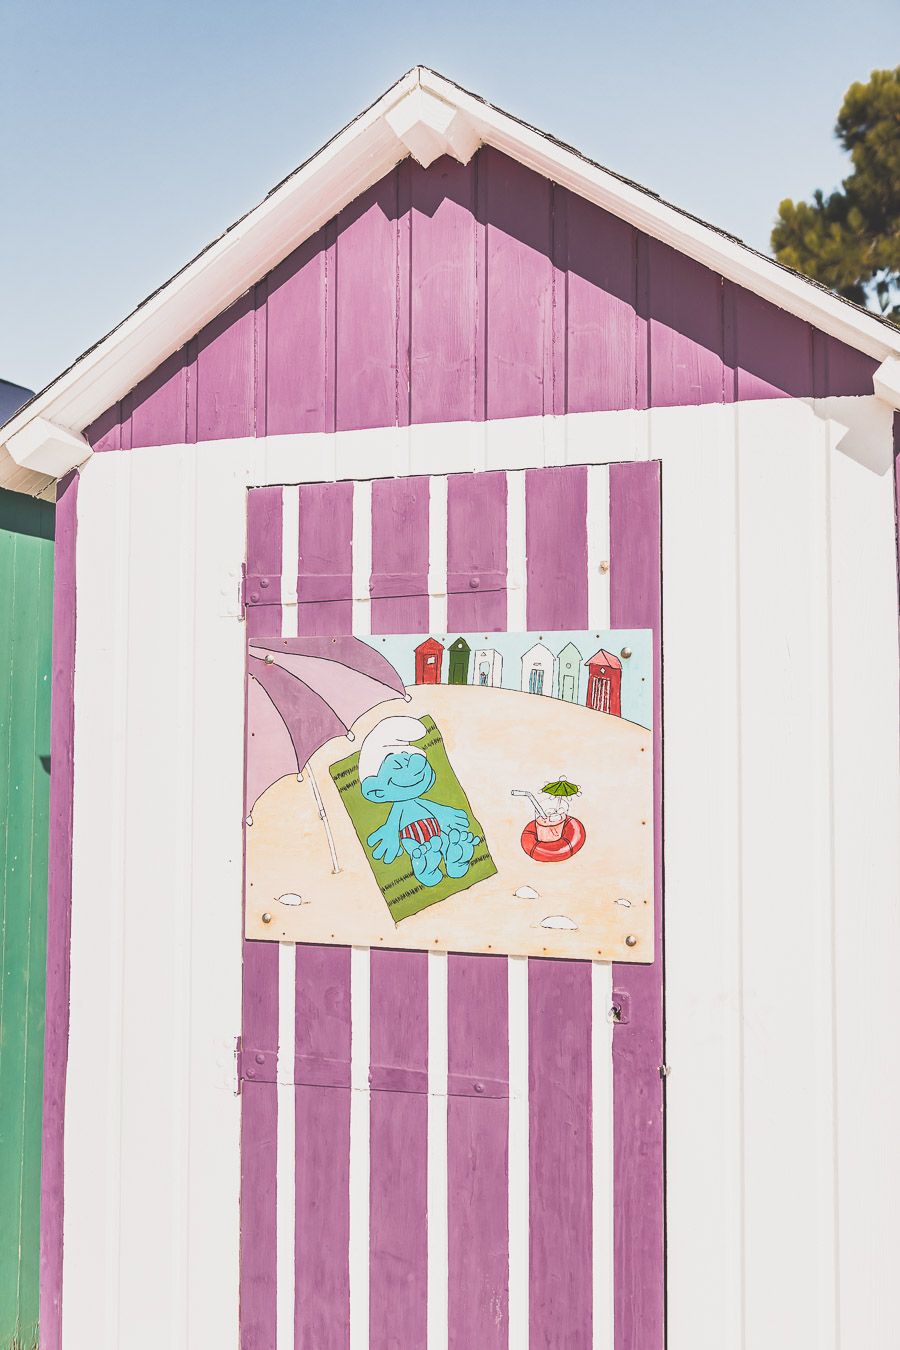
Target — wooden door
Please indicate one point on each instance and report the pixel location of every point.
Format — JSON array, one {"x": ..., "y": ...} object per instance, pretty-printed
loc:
[{"x": 454, "y": 1150}]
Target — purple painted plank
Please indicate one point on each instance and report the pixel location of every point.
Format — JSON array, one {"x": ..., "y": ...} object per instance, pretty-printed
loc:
[
  {"x": 638, "y": 1099},
  {"x": 322, "y": 1192},
  {"x": 259, "y": 1022},
  {"x": 556, "y": 535},
  {"x": 59, "y": 913},
  {"x": 559, "y": 992},
  {"x": 476, "y": 552},
  {"x": 686, "y": 330},
  {"x": 300, "y": 294},
  {"x": 326, "y": 558},
  {"x": 840, "y": 369},
  {"x": 477, "y": 1159},
  {"x": 104, "y": 433},
  {"x": 398, "y": 1146},
  {"x": 517, "y": 203},
  {"x": 159, "y": 404},
  {"x": 400, "y": 555},
  {"x": 772, "y": 354},
  {"x": 366, "y": 352},
  {"x": 322, "y": 1196},
  {"x": 443, "y": 292},
  {"x": 226, "y": 374},
  {"x": 601, "y": 333}
]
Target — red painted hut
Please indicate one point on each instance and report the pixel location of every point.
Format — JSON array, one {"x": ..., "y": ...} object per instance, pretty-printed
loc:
[
  {"x": 604, "y": 688},
  {"x": 429, "y": 659}
]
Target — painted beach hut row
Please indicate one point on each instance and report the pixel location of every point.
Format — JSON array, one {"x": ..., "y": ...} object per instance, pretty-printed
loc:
[
  {"x": 451, "y": 376},
  {"x": 555, "y": 675}
]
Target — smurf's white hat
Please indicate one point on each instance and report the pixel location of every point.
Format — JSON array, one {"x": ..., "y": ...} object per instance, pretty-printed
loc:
[{"x": 391, "y": 736}]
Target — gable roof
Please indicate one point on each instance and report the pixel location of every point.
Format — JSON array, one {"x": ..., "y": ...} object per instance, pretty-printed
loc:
[{"x": 424, "y": 115}]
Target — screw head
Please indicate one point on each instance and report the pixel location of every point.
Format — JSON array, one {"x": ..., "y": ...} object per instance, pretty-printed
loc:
[
  {"x": 254, "y": 597},
  {"x": 260, "y": 1058},
  {"x": 626, "y": 652},
  {"x": 479, "y": 1087},
  {"x": 267, "y": 917},
  {"x": 604, "y": 566},
  {"x": 263, "y": 583},
  {"x": 474, "y": 582},
  {"x": 631, "y": 940},
  {"x": 269, "y": 659}
]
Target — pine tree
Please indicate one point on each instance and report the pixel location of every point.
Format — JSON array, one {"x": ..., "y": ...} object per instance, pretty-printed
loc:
[{"x": 850, "y": 239}]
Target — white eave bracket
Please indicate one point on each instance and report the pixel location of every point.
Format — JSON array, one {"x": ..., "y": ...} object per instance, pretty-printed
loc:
[
  {"x": 44, "y": 447},
  {"x": 886, "y": 381},
  {"x": 427, "y": 128}
]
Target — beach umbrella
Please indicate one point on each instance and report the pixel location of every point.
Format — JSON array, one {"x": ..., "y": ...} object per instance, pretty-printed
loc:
[
  {"x": 302, "y": 692},
  {"x": 561, "y": 787}
]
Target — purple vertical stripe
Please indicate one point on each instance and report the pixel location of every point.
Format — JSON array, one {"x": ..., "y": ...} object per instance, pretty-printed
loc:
[
  {"x": 399, "y": 555},
  {"x": 367, "y": 309},
  {"x": 556, "y": 545},
  {"x": 443, "y": 293},
  {"x": 226, "y": 374},
  {"x": 259, "y": 1023},
  {"x": 477, "y": 993},
  {"x": 477, "y": 1157},
  {"x": 476, "y": 552},
  {"x": 324, "y": 574},
  {"x": 298, "y": 305},
  {"x": 639, "y": 1225},
  {"x": 559, "y": 992},
  {"x": 59, "y": 913},
  {"x": 322, "y": 1195},
  {"x": 322, "y": 1191},
  {"x": 398, "y": 1144},
  {"x": 686, "y": 330},
  {"x": 519, "y": 288}
]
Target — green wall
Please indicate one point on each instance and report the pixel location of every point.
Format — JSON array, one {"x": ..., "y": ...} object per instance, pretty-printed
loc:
[{"x": 26, "y": 612}]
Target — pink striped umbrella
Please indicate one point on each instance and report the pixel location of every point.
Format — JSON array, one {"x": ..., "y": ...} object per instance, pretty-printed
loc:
[{"x": 302, "y": 692}]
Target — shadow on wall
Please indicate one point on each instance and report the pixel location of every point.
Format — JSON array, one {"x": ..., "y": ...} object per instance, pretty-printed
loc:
[{"x": 460, "y": 293}]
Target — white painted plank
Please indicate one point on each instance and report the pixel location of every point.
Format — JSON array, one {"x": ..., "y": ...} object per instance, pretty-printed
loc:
[
  {"x": 438, "y": 1255},
  {"x": 598, "y": 545},
  {"x": 785, "y": 775},
  {"x": 360, "y": 1005},
  {"x": 362, "y": 557},
  {"x": 437, "y": 554},
  {"x": 517, "y": 974},
  {"x": 867, "y": 885},
  {"x": 515, "y": 553},
  {"x": 704, "y": 1123},
  {"x": 285, "y": 1184},
  {"x": 603, "y": 1199}
]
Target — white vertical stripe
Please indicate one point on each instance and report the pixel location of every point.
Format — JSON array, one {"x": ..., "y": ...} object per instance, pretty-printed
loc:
[
  {"x": 285, "y": 1189},
  {"x": 598, "y": 545},
  {"x": 517, "y": 968},
  {"x": 516, "y": 610},
  {"x": 285, "y": 1186},
  {"x": 437, "y": 554},
  {"x": 438, "y": 1261},
  {"x": 359, "y": 1147},
  {"x": 602, "y": 1155},
  {"x": 290, "y": 558},
  {"x": 362, "y": 556}
]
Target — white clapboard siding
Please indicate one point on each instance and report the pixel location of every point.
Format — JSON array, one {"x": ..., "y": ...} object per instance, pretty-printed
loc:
[{"x": 782, "y": 871}]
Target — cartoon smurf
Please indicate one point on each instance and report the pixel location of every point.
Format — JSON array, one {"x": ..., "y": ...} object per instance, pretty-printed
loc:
[{"x": 391, "y": 769}]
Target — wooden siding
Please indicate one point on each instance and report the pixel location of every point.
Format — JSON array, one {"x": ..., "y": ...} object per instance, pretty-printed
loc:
[
  {"x": 26, "y": 597},
  {"x": 454, "y": 293}
]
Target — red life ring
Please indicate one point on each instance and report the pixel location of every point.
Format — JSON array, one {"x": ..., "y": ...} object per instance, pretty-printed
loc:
[{"x": 556, "y": 850}]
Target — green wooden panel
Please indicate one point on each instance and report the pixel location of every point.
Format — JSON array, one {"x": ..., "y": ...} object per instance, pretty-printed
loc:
[{"x": 26, "y": 613}]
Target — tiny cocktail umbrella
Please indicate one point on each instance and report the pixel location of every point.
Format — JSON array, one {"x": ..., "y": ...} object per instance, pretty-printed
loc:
[
  {"x": 302, "y": 692},
  {"x": 561, "y": 787}
]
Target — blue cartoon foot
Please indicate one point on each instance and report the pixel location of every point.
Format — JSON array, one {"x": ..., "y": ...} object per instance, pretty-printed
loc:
[
  {"x": 458, "y": 847},
  {"x": 426, "y": 860}
]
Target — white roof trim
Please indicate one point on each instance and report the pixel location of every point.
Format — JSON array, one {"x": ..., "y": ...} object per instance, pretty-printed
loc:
[{"x": 423, "y": 115}]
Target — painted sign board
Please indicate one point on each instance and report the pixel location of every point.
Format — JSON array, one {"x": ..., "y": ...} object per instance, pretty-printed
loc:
[{"x": 506, "y": 809}]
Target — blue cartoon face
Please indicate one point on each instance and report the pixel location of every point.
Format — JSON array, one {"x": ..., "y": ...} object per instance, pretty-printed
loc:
[{"x": 401, "y": 777}]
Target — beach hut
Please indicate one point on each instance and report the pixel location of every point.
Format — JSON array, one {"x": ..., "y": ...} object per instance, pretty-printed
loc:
[
  {"x": 488, "y": 667},
  {"x": 539, "y": 670},
  {"x": 460, "y": 656},
  {"x": 434, "y": 381},
  {"x": 569, "y": 672},
  {"x": 429, "y": 659},
  {"x": 604, "y": 689}
]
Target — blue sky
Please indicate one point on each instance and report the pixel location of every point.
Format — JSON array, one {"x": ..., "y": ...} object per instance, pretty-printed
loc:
[{"x": 134, "y": 131}]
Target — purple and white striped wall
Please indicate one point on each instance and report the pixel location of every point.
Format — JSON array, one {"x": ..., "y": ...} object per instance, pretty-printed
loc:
[{"x": 426, "y": 1238}]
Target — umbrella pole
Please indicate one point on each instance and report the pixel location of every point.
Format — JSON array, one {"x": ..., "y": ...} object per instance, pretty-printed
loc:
[{"x": 335, "y": 867}]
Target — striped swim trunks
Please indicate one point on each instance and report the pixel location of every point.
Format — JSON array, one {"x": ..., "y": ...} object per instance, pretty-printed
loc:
[{"x": 421, "y": 830}]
